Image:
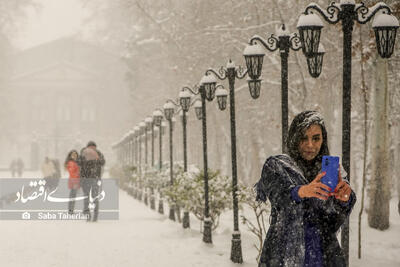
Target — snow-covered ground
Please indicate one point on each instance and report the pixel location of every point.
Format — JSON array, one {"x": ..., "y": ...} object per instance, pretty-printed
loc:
[{"x": 143, "y": 237}]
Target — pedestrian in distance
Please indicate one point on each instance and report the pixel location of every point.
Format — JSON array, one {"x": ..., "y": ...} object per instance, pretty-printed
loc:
[
  {"x": 91, "y": 162},
  {"x": 305, "y": 217},
  {"x": 72, "y": 167},
  {"x": 13, "y": 167},
  {"x": 20, "y": 167},
  {"x": 49, "y": 173}
]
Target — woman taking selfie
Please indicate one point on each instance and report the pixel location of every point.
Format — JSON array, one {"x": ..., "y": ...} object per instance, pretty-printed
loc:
[{"x": 305, "y": 217}]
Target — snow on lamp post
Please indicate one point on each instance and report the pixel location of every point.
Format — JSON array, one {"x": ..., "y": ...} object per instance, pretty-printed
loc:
[
  {"x": 209, "y": 82},
  {"x": 206, "y": 89},
  {"x": 139, "y": 157},
  {"x": 198, "y": 109},
  {"x": 184, "y": 116},
  {"x": 139, "y": 141},
  {"x": 385, "y": 27},
  {"x": 231, "y": 72},
  {"x": 169, "y": 110},
  {"x": 253, "y": 53},
  {"x": 185, "y": 103},
  {"x": 136, "y": 145},
  {"x": 254, "y": 56},
  {"x": 185, "y": 99},
  {"x": 309, "y": 26},
  {"x": 150, "y": 127},
  {"x": 222, "y": 95},
  {"x": 143, "y": 135},
  {"x": 347, "y": 12},
  {"x": 143, "y": 129},
  {"x": 158, "y": 121},
  {"x": 134, "y": 158},
  {"x": 131, "y": 137}
]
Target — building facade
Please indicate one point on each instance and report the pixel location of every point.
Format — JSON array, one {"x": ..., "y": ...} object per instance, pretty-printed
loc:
[{"x": 60, "y": 95}]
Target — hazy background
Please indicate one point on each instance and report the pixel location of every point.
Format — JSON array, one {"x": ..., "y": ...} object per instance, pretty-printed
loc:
[{"x": 74, "y": 71}]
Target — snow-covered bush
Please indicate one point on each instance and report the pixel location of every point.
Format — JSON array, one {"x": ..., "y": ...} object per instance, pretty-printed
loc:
[
  {"x": 122, "y": 173},
  {"x": 151, "y": 178},
  {"x": 188, "y": 192},
  {"x": 180, "y": 191}
]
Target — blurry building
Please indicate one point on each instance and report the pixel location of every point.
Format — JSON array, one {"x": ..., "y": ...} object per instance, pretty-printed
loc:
[{"x": 59, "y": 96}]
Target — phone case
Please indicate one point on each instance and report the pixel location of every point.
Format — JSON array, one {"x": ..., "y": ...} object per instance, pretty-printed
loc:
[{"x": 330, "y": 165}]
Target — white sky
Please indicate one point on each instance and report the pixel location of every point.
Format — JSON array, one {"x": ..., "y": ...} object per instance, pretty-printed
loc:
[{"x": 54, "y": 19}]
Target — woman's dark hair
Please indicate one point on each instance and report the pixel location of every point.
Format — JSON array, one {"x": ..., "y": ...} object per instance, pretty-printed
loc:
[
  {"x": 69, "y": 157},
  {"x": 299, "y": 125}
]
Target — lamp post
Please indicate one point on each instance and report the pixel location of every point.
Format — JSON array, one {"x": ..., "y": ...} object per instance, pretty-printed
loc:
[
  {"x": 138, "y": 160},
  {"x": 143, "y": 128},
  {"x": 157, "y": 120},
  {"x": 384, "y": 25},
  {"x": 143, "y": 131},
  {"x": 136, "y": 146},
  {"x": 150, "y": 126},
  {"x": 130, "y": 148},
  {"x": 169, "y": 110},
  {"x": 207, "y": 91},
  {"x": 254, "y": 54},
  {"x": 231, "y": 73},
  {"x": 185, "y": 103}
]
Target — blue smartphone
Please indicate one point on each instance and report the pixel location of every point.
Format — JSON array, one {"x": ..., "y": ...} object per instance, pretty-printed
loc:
[{"x": 330, "y": 165}]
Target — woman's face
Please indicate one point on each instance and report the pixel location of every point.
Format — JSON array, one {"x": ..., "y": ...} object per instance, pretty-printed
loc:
[
  {"x": 310, "y": 142},
  {"x": 74, "y": 155}
]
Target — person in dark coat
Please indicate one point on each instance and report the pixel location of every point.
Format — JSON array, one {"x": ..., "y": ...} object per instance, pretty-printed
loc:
[
  {"x": 91, "y": 162},
  {"x": 304, "y": 217},
  {"x": 20, "y": 167},
  {"x": 13, "y": 167}
]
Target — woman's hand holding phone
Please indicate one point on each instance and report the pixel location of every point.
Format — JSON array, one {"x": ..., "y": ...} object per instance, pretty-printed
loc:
[
  {"x": 315, "y": 189},
  {"x": 342, "y": 191}
]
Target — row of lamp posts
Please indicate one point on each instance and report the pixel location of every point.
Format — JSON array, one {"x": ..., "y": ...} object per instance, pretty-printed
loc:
[{"x": 309, "y": 25}]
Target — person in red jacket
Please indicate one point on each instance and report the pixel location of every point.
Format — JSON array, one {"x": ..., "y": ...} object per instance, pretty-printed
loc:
[{"x": 72, "y": 167}]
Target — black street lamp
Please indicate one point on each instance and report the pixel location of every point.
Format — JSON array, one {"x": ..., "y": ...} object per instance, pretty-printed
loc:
[
  {"x": 143, "y": 131},
  {"x": 139, "y": 157},
  {"x": 136, "y": 145},
  {"x": 169, "y": 110},
  {"x": 125, "y": 161},
  {"x": 198, "y": 109},
  {"x": 207, "y": 91},
  {"x": 254, "y": 54},
  {"x": 143, "y": 128},
  {"x": 231, "y": 73},
  {"x": 185, "y": 103},
  {"x": 384, "y": 25},
  {"x": 157, "y": 120},
  {"x": 150, "y": 126},
  {"x": 130, "y": 148}
]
